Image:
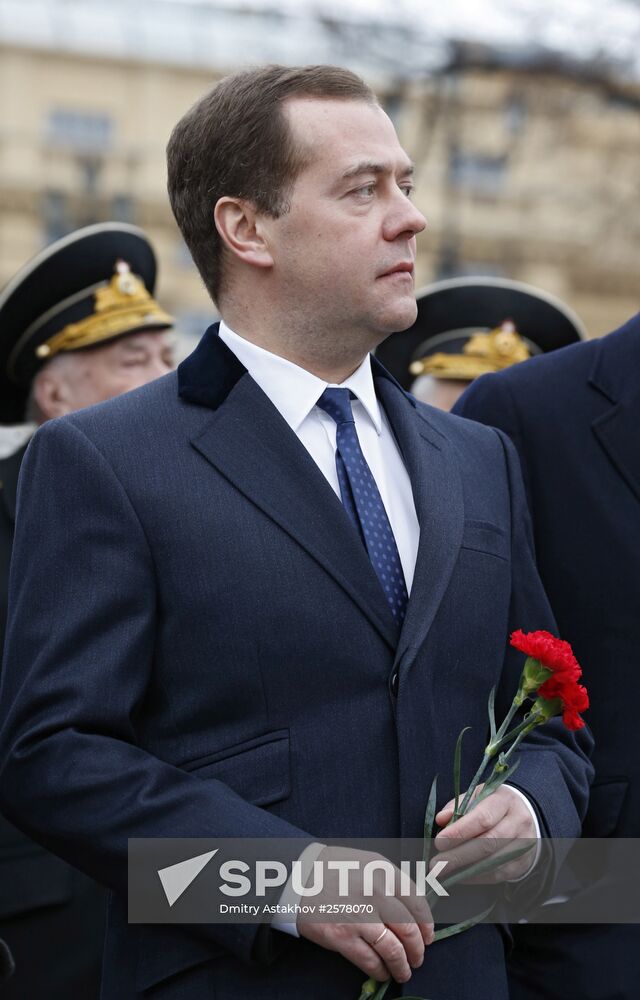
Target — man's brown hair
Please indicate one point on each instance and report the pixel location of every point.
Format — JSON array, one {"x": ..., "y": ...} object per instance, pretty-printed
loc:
[{"x": 236, "y": 142}]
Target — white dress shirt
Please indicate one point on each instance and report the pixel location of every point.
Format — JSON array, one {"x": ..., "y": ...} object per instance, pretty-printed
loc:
[{"x": 294, "y": 392}]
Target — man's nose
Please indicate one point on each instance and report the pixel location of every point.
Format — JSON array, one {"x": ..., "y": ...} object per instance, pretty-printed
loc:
[
  {"x": 162, "y": 366},
  {"x": 153, "y": 370},
  {"x": 404, "y": 218}
]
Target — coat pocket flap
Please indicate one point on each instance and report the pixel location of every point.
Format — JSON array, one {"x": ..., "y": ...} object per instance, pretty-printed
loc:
[
  {"x": 485, "y": 537},
  {"x": 257, "y": 769}
]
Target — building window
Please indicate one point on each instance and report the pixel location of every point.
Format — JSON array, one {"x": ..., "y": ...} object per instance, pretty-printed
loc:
[
  {"x": 515, "y": 114},
  {"x": 122, "y": 208},
  {"x": 478, "y": 174},
  {"x": 475, "y": 268},
  {"x": 450, "y": 264},
  {"x": 81, "y": 131},
  {"x": 56, "y": 216}
]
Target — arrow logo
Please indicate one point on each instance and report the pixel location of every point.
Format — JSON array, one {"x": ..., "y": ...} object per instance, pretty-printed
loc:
[{"x": 176, "y": 879}]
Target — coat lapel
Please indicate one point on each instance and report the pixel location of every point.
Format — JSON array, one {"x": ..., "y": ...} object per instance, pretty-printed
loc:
[
  {"x": 615, "y": 375},
  {"x": 252, "y": 446},
  {"x": 437, "y": 494},
  {"x": 618, "y": 431}
]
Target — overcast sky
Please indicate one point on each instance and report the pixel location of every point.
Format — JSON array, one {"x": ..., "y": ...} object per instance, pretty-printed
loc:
[
  {"x": 162, "y": 29},
  {"x": 578, "y": 27}
]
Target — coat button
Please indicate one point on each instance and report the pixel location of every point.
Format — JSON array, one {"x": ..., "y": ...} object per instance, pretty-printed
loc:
[{"x": 394, "y": 682}]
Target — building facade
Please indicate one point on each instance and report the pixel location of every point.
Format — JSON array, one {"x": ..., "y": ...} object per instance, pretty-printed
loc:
[{"x": 524, "y": 169}]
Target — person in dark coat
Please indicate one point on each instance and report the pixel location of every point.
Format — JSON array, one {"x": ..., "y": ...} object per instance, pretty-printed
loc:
[
  {"x": 248, "y": 641},
  {"x": 574, "y": 417},
  {"x": 77, "y": 325}
]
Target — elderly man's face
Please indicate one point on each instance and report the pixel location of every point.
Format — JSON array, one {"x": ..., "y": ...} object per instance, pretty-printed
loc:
[
  {"x": 443, "y": 393},
  {"x": 346, "y": 249},
  {"x": 81, "y": 378}
]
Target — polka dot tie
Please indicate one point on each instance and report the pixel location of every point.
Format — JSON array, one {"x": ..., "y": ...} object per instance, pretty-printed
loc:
[{"x": 363, "y": 502}]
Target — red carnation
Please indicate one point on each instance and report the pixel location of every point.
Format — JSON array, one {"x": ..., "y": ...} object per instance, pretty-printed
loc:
[
  {"x": 579, "y": 702},
  {"x": 553, "y": 676},
  {"x": 554, "y": 654},
  {"x": 573, "y": 696}
]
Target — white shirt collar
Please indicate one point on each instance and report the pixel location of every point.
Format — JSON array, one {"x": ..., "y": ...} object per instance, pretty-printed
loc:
[{"x": 293, "y": 390}]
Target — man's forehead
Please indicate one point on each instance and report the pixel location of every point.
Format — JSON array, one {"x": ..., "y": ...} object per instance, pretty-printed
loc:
[
  {"x": 132, "y": 340},
  {"x": 383, "y": 166},
  {"x": 308, "y": 114},
  {"x": 347, "y": 133},
  {"x": 128, "y": 343}
]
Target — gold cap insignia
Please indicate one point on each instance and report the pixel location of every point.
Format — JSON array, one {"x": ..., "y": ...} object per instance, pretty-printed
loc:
[
  {"x": 483, "y": 352},
  {"x": 121, "y": 306}
]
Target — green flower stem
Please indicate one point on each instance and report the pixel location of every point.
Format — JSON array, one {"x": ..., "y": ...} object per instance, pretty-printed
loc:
[
  {"x": 525, "y": 726},
  {"x": 457, "y": 813},
  {"x": 499, "y": 740},
  {"x": 506, "y": 722},
  {"x": 369, "y": 989},
  {"x": 532, "y": 721},
  {"x": 382, "y": 989}
]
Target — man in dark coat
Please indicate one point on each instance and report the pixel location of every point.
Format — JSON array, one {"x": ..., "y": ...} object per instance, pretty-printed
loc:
[
  {"x": 77, "y": 325},
  {"x": 574, "y": 417},
  {"x": 288, "y": 583}
]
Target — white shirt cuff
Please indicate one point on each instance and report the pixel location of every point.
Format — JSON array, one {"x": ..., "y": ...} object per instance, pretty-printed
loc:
[
  {"x": 538, "y": 833},
  {"x": 281, "y": 922}
]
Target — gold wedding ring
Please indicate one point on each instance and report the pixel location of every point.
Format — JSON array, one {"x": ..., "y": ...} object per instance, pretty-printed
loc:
[{"x": 379, "y": 938}]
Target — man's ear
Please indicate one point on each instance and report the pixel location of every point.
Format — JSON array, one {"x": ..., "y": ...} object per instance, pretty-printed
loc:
[
  {"x": 241, "y": 229},
  {"x": 50, "y": 393}
]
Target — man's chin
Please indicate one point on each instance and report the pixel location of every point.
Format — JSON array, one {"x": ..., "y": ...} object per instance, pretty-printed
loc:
[{"x": 398, "y": 318}]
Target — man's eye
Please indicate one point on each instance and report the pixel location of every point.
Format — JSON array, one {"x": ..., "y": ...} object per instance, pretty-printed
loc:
[
  {"x": 366, "y": 191},
  {"x": 408, "y": 189}
]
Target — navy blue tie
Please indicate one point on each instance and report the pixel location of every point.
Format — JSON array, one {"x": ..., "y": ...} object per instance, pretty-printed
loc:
[{"x": 363, "y": 503}]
